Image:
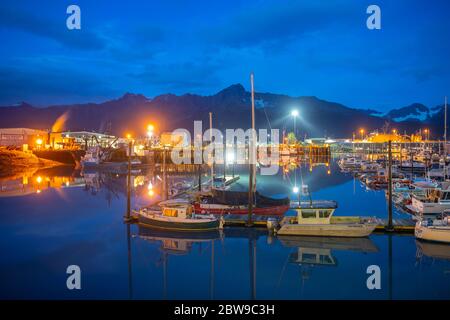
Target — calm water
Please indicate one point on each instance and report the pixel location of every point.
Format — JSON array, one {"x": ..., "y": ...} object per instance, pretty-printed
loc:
[{"x": 54, "y": 218}]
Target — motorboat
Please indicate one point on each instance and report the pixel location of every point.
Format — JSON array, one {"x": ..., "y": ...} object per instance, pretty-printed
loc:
[
  {"x": 433, "y": 202},
  {"x": 437, "y": 230},
  {"x": 315, "y": 218}
]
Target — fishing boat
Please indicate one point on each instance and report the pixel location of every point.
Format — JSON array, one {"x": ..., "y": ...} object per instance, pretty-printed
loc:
[
  {"x": 437, "y": 230},
  {"x": 176, "y": 217},
  {"x": 91, "y": 158},
  {"x": 433, "y": 202},
  {"x": 315, "y": 218},
  {"x": 223, "y": 202}
]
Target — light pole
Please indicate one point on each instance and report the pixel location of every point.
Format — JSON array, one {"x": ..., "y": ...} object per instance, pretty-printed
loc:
[
  {"x": 361, "y": 131},
  {"x": 294, "y": 114},
  {"x": 150, "y": 129}
]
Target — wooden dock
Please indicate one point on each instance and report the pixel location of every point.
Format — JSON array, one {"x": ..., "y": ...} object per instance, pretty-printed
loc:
[{"x": 400, "y": 225}]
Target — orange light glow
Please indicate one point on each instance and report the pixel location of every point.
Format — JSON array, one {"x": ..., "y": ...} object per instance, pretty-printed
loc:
[
  {"x": 39, "y": 141},
  {"x": 128, "y": 136},
  {"x": 39, "y": 179}
]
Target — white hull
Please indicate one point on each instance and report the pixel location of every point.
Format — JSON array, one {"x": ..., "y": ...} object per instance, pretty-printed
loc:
[
  {"x": 328, "y": 230},
  {"x": 433, "y": 233}
]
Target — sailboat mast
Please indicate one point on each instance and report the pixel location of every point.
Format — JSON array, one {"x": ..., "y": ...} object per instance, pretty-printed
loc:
[
  {"x": 445, "y": 125},
  {"x": 210, "y": 139},
  {"x": 253, "y": 135},
  {"x": 251, "y": 159}
]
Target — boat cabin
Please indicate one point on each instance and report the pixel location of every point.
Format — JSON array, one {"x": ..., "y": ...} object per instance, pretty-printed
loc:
[
  {"x": 316, "y": 212},
  {"x": 178, "y": 211}
]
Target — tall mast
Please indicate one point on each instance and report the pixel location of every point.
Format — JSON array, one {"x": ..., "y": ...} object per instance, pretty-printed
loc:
[
  {"x": 251, "y": 159},
  {"x": 210, "y": 139},
  {"x": 445, "y": 125}
]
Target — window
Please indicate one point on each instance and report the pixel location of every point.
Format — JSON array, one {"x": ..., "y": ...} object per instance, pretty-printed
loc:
[
  {"x": 324, "y": 213},
  {"x": 308, "y": 213}
]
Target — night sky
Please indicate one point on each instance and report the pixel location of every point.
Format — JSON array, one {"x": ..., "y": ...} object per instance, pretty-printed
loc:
[{"x": 313, "y": 48}]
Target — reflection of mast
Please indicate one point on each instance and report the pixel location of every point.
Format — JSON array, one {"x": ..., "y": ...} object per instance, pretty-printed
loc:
[
  {"x": 390, "y": 265},
  {"x": 252, "y": 256},
  {"x": 130, "y": 279},
  {"x": 211, "y": 285},
  {"x": 165, "y": 275}
]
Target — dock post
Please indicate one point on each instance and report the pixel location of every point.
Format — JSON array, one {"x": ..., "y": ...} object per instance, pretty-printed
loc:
[
  {"x": 128, "y": 217},
  {"x": 390, "y": 226}
]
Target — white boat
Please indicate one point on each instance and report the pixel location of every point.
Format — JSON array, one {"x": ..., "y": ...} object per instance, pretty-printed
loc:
[
  {"x": 434, "y": 202},
  {"x": 315, "y": 218},
  {"x": 433, "y": 230},
  {"x": 350, "y": 163}
]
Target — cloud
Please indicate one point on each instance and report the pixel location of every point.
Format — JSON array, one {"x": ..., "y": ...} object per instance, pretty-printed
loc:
[
  {"x": 277, "y": 22},
  {"x": 182, "y": 76},
  {"x": 27, "y": 22}
]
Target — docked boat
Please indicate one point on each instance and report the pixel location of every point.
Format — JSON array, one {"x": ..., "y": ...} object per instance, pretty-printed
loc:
[
  {"x": 433, "y": 202},
  {"x": 177, "y": 217},
  {"x": 413, "y": 166},
  {"x": 315, "y": 218},
  {"x": 224, "y": 202},
  {"x": 437, "y": 230},
  {"x": 350, "y": 163},
  {"x": 91, "y": 157}
]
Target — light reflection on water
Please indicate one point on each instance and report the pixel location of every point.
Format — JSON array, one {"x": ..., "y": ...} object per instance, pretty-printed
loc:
[{"x": 77, "y": 218}]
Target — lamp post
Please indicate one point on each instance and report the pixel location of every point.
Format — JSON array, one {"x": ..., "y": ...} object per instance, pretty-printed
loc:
[
  {"x": 361, "y": 131},
  {"x": 130, "y": 143},
  {"x": 294, "y": 114},
  {"x": 150, "y": 130}
]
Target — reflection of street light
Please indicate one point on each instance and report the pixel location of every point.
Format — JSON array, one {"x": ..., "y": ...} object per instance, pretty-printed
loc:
[
  {"x": 294, "y": 114},
  {"x": 150, "y": 189}
]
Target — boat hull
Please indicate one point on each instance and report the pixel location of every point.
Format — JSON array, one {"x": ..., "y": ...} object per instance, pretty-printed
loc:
[
  {"x": 437, "y": 234},
  {"x": 239, "y": 210},
  {"x": 174, "y": 225},
  {"x": 328, "y": 230}
]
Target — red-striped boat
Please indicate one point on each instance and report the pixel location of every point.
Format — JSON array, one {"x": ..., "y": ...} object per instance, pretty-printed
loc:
[{"x": 222, "y": 202}]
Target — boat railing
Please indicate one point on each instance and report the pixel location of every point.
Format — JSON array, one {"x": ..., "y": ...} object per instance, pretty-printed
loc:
[{"x": 314, "y": 204}]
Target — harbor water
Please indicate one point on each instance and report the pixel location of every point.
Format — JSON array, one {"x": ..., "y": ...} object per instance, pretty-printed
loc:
[{"x": 51, "y": 219}]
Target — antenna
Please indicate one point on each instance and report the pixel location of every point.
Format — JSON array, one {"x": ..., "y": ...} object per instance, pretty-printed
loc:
[{"x": 445, "y": 125}]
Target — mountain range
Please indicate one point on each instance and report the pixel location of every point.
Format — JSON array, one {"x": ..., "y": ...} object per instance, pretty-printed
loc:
[{"x": 231, "y": 108}]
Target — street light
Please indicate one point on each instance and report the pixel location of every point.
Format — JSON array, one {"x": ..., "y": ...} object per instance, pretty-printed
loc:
[
  {"x": 294, "y": 114},
  {"x": 361, "y": 131}
]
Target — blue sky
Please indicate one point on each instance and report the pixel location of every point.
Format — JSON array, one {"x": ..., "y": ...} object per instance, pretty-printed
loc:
[{"x": 314, "y": 48}]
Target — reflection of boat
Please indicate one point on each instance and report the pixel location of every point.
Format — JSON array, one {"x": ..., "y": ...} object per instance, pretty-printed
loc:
[
  {"x": 334, "y": 243},
  {"x": 236, "y": 202},
  {"x": 433, "y": 230},
  {"x": 177, "y": 217},
  {"x": 315, "y": 218},
  {"x": 433, "y": 250}
]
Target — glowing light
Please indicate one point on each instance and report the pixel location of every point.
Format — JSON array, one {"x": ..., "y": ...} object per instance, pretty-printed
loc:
[
  {"x": 150, "y": 127},
  {"x": 128, "y": 136},
  {"x": 67, "y": 183},
  {"x": 230, "y": 157},
  {"x": 295, "y": 189},
  {"x": 294, "y": 113},
  {"x": 38, "y": 191},
  {"x": 329, "y": 171},
  {"x": 39, "y": 179},
  {"x": 150, "y": 189},
  {"x": 394, "y": 131},
  {"x": 39, "y": 141}
]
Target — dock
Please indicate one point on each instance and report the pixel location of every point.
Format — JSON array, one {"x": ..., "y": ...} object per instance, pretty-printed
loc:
[{"x": 399, "y": 225}]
